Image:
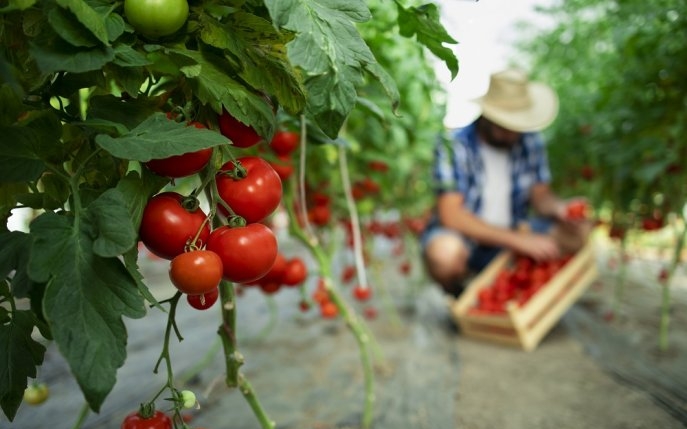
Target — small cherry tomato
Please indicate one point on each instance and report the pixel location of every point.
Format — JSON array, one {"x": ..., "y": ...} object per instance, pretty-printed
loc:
[
  {"x": 196, "y": 272},
  {"x": 36, "y": 393},
  {"x": 362, "y": 293},
  {"x": 203, "y": 301},
  {"x": 284, "y": 142},
  {"x": 295, "y": 272},
  {"x": 158, "y": 420}
]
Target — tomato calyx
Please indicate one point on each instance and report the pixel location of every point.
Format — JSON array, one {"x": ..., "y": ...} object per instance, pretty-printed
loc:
[
  {"x": 236, "y": 221},
  {"x": 237, "y": 173},
  {"x": 190, "y": 203},
  {"x": 147, "y": 410}
]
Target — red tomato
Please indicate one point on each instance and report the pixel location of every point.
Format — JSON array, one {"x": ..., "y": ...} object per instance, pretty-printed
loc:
[
  {"x": 377, "y": 165},
  {"x": 348, "y": 273},
  {"x": 203, "y": 301},
  {"x": 576, "y": 210},
  {"x": 320, "y": 215},
  {"x": 253, "y": 197},
  {"x": 247, "y": 252},
  {"x": 158, "y": 420},
  {"x": 276, "y": 273},
  {"x": 296, "y": 272},
  {"x": 362, "y": 293},
  {"x": 283, "y": 166},
  {"x": 240, "y": 134},
  {"x": 181, "y": 165},
  {"x": 270, "y": 287},
  {"x": 328, "y": 310},
  {"x": 167, "y": 227},
  {"x": 196, "y": 272},
  {"x": 284, "y": 142}
]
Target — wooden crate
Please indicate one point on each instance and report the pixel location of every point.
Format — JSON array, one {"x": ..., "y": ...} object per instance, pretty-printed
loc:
[{"x": 525, "y": 326}]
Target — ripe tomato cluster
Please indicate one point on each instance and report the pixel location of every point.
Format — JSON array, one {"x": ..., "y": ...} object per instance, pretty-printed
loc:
[
  {"x": 288, "y": 272},
  {"x": 518, "y": 283},
  {"x": 328, "y": 310},
  {"x": 577, "y": 210},
  {"x": 282, "y": 146},
  {"x": 174, "y": 227}
]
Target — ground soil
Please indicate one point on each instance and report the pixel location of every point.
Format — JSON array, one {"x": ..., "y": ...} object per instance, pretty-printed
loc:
[{"x": 598, "y": 368}]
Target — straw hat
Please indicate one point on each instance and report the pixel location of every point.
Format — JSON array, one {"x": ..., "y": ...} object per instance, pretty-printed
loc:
[{"x": 515, "y": 103}]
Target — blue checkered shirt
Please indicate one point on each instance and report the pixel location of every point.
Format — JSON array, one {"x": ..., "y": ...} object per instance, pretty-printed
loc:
[{"x": 458, "y": 167}]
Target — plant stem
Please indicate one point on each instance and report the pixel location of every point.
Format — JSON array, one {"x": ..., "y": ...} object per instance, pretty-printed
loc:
[
  {"x": 82, "y": 416},
  {"x": 227, "y": 332},
  {"x": 248, "y": 393},
  {"x": 664, "y": 325}
]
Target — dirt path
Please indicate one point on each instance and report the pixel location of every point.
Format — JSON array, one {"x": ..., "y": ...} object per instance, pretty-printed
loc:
[{"x": 307, "y": 373}]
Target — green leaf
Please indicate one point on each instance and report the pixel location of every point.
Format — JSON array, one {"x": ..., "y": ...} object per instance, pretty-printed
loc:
[
  {"x": 17, "y": 5},
  {"x": 131, "y": 264},
  {"x": 387, "y": 82},
  {"x": 108, "y": 109},
  {"x": 10, "y": 105},
  {"x": 90, "y": 19},
  {"x": 85, "y": 299},
  {"x": 425, "y": 23},
  {"x": 218, "y": 90},
  {"x": 115, "y": 231},
  {"x": 137, "y": 190},
  {"x": 14, "y": 256},
  {"x": 70, "y": 29},
  {"x": 19, "y": 161},
  {"x": 52, "y": 54},
  {"x": 330, "y": 50},
  {"x": 126, "y": 56},
  {"x": 19, "y": 359},
  {"x": 261, "y": 52},
  {"x": 157, "y": 137}
]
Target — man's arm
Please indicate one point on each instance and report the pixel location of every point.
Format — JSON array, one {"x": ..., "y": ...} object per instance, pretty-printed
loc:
[
  {"x": 546, "y": 203},
  {"x": 453, "y": 215}
]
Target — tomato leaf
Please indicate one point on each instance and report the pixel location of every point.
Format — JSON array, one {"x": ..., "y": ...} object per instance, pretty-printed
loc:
[
  {"x": 91, "y": 20},
  {"x": 158, "y": 137},
  {"x": 14, "y": 257},
  {"x": 261, "y": 50},
  {"x": 424, "y": 22},
  {"x": 137, "y": 190},
  {"x": 69, "y": 29},
  {"x": 330, "y": 50},
  {"x": 214, "y": 87},
  {"x": 52, "y": 54},
  {"x": 109, "y": 214},
  {"x": 19, "y": 359},
  {"x": 85, "y": 298},
  {"x": 18, "y": 158},
  {"x": 131, "y": 264}
]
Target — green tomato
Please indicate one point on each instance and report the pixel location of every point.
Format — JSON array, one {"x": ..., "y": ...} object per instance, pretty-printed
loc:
[
  {"x": 156, "y": 18},
  {"x": 36, "y": 393},
  {"x": 188, "y": 399}
]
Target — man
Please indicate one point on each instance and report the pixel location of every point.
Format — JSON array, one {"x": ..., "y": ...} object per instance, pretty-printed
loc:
[{"x": 489, "y": 178}]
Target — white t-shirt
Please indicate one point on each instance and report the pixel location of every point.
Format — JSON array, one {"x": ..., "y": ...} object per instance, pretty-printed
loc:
[{"x": 496, "y": 198}]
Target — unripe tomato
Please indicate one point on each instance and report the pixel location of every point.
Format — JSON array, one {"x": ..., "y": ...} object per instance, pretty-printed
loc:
[
  {"x": 36, "y": 393},
  {"x": 156, "y": 18},
  {"x": 196, "y": 272},
  {"x": 167, "y": 227},
  {"x": 158, "y": 420},
  {"x": 247, "y": 252},
  {"x": 240, "y": 134},
  {"x": 253, "y": 197}
]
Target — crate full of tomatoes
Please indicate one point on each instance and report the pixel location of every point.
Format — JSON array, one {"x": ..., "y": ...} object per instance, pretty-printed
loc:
[{"x": 517, "y": 301}]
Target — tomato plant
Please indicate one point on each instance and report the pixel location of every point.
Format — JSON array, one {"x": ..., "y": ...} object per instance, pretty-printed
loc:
[
  {"x": 136, "y": 420},
  {"x": 156, "y": 18},
  {"x": 168, "y": 227},
  {"x": 247, "y": 252},
  {"x": 196, "y": 272},
  {"x": 240, "y": 134},
  {"x": 250, "y": 187}
]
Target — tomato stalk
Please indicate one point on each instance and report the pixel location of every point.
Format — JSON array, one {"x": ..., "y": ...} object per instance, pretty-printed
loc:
[
  {"x": 233, "y": 358},
  {"x": 82, "y": 416},
  {"x": 664, "y": 325},
  {"x": 301, "y": 186},
  {"x": 362, "y": 336}
]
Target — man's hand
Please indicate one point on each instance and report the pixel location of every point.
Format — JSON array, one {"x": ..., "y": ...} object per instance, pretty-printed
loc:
[{"x": 539, "y": 247}]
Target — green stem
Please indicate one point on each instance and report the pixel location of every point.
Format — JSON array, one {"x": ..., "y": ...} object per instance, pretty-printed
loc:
[
  {"x": 360, "y": 333},
  {"x": 249, "y": 394},
  {"x": 82, "y": 416},
  {"x": 621, "y": 277},
  {"x": 227, "y": 332},
  {"x": 664, "y": 325}
]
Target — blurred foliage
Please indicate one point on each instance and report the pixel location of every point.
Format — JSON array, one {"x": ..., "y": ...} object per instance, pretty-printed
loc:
[{"x": 619, "y": 68}]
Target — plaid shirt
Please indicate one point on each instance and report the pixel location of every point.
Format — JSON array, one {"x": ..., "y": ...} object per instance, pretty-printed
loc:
[{"x": 458, "y": 167}]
